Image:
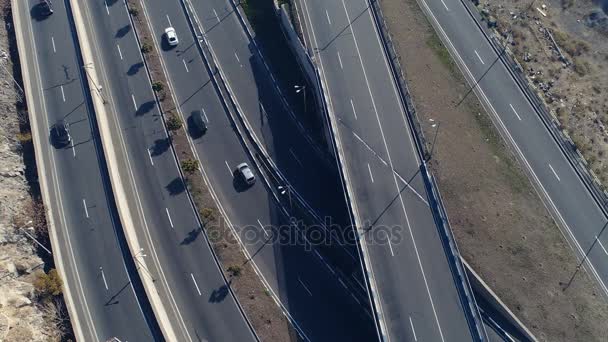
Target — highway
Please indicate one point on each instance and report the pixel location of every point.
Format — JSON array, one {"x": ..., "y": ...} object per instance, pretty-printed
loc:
[
  {"x": 103, "y": 291},
  {"x": 175, "y": 254},
  {"x": 306, "y": 286},
  {"x": 566, "y": 196},
  {"x": 415, "y": 290}
]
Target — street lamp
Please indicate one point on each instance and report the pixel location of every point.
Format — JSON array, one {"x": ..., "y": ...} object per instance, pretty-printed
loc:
[
  {"x": 286, "y": 189},
  {"x": 141, "y": 254},
  {"x": 33, "y": 238},
  {"x": 98, "y": 88},
  {"x": 302, "y": 88}
]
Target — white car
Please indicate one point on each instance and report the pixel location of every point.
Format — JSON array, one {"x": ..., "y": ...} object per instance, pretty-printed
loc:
[
  {"x": 246, "y": 173},
  {"x": 171, "y": 36}
]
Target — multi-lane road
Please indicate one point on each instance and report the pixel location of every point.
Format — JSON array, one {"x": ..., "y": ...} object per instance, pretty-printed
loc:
[
  {"x": 307, "y": 287},
  {"x": 177, "y": 255},
  {"x": 104, "y": 292},
  {"x": 572, "y": 205},
  {"x": 415, "y": 291}
]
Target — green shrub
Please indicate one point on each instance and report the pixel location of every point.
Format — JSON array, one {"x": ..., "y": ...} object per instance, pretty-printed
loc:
[
  {"x": 190, "y": 165},
  {"x": 146, "y": 48},
  {"x": 173, "y": 122},
  {"x": 235, "y": 270},
  {"x": 133, "y": 12},
  {"x": 158, "y": 86},
  {"x": 48, "y": 284}
]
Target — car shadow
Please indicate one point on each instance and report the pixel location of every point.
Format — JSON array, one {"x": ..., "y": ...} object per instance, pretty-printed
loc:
[
  {"x": 238, "y": 183},
  {"x": 191, "y": 237},
  {"x": 123, "y": 31},
  {"x": 164, "y": 44},
  {"x": 176, "y": 186},
  {"x": 38, "y": 12},
  {"x": 160, "y": 146},
  {"x": 145, "y": 107},
  {"x": 193, "y": 130},
  {"x": 134, "y": 69}
]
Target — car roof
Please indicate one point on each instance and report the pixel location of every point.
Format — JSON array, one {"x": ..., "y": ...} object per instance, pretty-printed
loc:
[
  {"x": 169, "y": 30},
  {"x": 242, "y": 165}
]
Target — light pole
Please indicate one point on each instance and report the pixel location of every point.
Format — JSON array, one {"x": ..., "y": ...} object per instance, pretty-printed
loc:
[
  {"x": 302, "y": 88},
  {"x": 286, "y": 189},
  {"x": 33, "y": 238},
  {"x": 98, "y": 88},
  {"x": 136, "y": 258}
]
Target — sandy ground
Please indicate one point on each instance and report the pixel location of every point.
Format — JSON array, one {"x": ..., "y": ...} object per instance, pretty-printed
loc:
[
  {"x": 501, "y": 226},
  {"x": 574, "y": 87}
]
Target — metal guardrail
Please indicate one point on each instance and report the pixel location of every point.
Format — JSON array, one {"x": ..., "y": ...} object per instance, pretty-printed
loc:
[
  {"x": 435, "y": 201},
  {"x": 565, "y": 143}
]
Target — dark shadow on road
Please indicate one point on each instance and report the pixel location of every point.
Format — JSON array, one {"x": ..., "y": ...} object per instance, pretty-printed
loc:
[
  {"x": 112, "y": 299},
  {"x": 191, "y": 237},
  {"x": 123, "y": 31},
  {"x": 218, "y": 295},
  {"x": 176, "y": 186},
  {"x": 145, "y": 107},
  {"x": 160, "y": 146},
  {"x": 134, "y": 69}
]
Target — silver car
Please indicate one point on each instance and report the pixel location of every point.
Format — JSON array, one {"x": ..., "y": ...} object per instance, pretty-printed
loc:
[{"x": 246, "y": 173}]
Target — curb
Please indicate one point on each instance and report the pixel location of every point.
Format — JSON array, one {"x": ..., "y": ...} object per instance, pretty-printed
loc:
[
  {"x": 122, "y": 204},
  {"x": 486, "y": 292},
  {"x": 41, "y": 168}
]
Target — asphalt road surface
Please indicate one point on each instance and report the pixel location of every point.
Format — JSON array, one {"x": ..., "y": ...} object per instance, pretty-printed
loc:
[
  {"x": 307, "y": 287},
  {"x": 415, "y": 289},
  {"x": 187, "y": 277},
  {"x": 105, "y": 287},
  {"x": 570, "y": 202}
]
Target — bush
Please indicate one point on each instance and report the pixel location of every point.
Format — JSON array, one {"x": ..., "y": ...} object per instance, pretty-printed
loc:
[
  {"x": 235, "y": 270},
  {"x": 158, "y": 86},
  {"x": 48, "y": 284},
  {"x": 146, "y": 48},
  {"x": 190, "y": 165},
  {"x": 207, "y": 214},
  {"x": 24, "y": 137},
  {"x": 134, "y": 12},
  {"x": 581, "y": 67},
  {"x": 174, "y": 123}
]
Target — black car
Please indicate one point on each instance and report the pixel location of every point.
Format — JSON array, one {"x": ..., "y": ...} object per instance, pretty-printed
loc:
[
  {"x": 46, "y": 7},
  {"x": 60, "y": 134},
  {"x": 200, "y": 123}
]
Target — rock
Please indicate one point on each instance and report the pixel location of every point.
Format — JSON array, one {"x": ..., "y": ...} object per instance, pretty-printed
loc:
[{"x": 21, "y": 302}]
